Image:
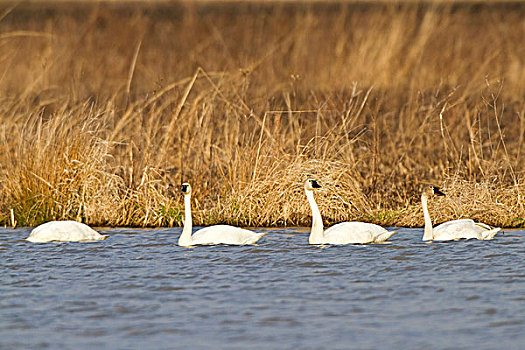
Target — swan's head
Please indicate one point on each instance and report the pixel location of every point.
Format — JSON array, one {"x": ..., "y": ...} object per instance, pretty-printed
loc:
[
  {"x": 185, "y": 189},
  {"x": 311, "y": 184},
  {"x": 431, "y": 190}
]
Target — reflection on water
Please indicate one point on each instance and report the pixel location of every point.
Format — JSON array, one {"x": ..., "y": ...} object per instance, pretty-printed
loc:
[{"x": 139, "y": 289}]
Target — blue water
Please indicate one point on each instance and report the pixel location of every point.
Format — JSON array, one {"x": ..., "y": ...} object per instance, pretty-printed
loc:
[{"x": 137, "y": 289}]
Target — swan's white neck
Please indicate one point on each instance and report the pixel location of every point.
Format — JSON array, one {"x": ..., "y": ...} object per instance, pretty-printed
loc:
[
  {"x": 429, "y": 232},
  {"x": 316, "y": 235},
  {"x": 185, "y": 238}
]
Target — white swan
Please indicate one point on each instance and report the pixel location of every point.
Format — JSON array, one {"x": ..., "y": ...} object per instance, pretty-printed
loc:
[
  {"x": 63, "y": 231},
  {"x": 344, "y": 232},
  {"x": 455, "y": 229},
  {"x": 218, "y": 234}
]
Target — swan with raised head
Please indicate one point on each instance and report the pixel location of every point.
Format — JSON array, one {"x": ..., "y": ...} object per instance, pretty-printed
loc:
[
  {"x": 455, "y": 229},
  {"x": 217, "y": 234},
  {"x": 345, "y": 232},
  {"x": 64, "y": 231}
]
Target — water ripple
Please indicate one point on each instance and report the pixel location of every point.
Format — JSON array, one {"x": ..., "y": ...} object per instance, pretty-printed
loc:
[{"x": 139, "y": 289}]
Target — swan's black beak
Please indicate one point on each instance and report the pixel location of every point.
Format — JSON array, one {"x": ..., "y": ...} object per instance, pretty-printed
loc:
[
  {"x": 184, "y": 189},
  {"x": 437, "y": 192},
  {"x": 315, "y": 184}
]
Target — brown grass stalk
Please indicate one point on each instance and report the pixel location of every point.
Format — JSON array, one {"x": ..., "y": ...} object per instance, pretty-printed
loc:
[{"x": 102, "y": 119}]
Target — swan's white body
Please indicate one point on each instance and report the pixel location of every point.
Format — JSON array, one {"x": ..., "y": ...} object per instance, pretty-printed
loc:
[
  {"x": 345, "y": 232},
  {"x": 455, "y": 229},
  {"x": 218, "y": 234},
  {"x": 221, "y": 234},
  {"x": 63, "y": 231}
]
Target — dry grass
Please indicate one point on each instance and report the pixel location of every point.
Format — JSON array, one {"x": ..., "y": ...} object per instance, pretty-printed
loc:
[{"x": 106, "y": 108}]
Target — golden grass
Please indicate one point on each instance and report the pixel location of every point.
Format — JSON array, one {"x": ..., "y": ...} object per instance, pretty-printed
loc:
[{"x": 106, "y": 108}]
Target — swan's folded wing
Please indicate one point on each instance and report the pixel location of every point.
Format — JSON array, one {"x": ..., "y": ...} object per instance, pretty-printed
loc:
[
  {"x": 353, "y": 232},
  {"x": 225, "y": 234},
  {"x": 63, "y": 231},
  {"x": 457, "y": 229},
  {"x": 482, "y": 225},
  {"x": 454, "y": 225}
]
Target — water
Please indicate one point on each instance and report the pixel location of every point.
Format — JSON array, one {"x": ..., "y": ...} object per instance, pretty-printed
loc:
[{"x": 138, "y": 289}]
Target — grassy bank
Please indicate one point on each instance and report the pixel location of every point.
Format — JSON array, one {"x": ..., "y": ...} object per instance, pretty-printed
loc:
[{"x": 105, "y": 109}]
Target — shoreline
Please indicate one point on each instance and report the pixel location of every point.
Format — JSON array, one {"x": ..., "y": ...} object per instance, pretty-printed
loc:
[{"x": 104, "y": 111}]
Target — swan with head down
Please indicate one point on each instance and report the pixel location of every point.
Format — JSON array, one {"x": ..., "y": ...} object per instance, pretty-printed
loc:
[
  {"x": 217, "y": 234},
  {"x": 345, "y": 232},
  {"x": 64, "y": 231},
  {"x": 455, "y": 229}
]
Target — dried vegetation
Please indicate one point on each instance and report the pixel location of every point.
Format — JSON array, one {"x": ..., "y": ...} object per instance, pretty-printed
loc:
[{"x": 106, "y": 108}]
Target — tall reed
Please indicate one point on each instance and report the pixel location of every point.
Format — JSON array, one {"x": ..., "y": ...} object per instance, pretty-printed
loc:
[{"x": 106, "y": 109}]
